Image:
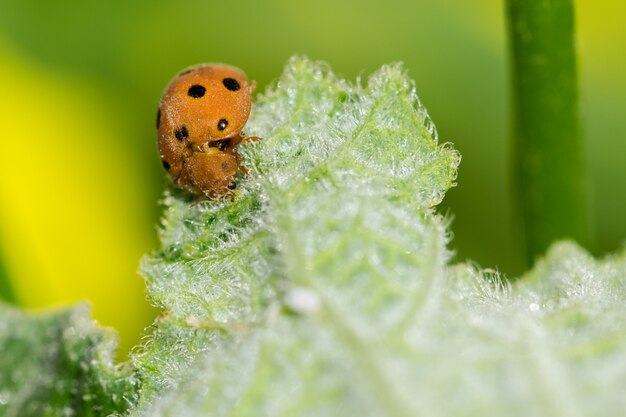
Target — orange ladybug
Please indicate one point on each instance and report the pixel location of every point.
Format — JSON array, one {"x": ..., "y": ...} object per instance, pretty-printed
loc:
[{"x": 199, "y": 122}]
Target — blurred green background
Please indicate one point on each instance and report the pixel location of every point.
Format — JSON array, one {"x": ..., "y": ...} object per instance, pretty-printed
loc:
[{"x": 79, "y": 87}]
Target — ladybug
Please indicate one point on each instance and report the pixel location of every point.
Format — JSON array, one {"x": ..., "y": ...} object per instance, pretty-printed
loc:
[{"x": 199, "y": 122}]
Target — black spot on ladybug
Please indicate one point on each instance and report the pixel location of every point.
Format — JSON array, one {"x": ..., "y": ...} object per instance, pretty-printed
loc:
[
  {"x": 231, "y": 84},
  {"x": 185, "y": 72},
  {"x": 221, "y": 125},
  {"x": 166, "y": 165},
  {"x": 181, "y": 133},
  {"x": 232, "y": 185},
  {"x": 158, "y": 118},
  {"x": 196, "y": 91},
  {"x": 225, "y": 166}
]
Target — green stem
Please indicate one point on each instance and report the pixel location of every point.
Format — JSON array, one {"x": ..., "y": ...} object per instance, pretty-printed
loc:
[{"x": 547, "y": 145}]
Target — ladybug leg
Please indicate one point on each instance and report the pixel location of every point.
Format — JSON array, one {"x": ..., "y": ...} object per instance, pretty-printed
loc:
[
  {"x": 244, "y": 170},
  {"x": 241, "y": 138},
  {"x": 200, "y": 199},
  {"x": 250, "y": 139}
]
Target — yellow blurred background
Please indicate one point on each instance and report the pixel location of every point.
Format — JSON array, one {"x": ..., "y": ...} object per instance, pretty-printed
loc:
[{"x": 80, "y": 82}]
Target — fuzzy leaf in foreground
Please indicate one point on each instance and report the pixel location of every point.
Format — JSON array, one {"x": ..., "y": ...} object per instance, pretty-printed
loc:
[
  {"x": 60, "y": 364},
  {"x": 325, "y": 289}
]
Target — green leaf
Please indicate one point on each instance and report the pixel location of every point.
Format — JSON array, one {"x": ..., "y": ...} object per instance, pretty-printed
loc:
[
  {"x": 60, "y": 364},
  {"x": 325, "y": 289},
  {"x": 330, "y": 252}
]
